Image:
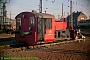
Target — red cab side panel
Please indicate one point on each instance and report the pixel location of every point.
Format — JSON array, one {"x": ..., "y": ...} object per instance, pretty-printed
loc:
[{"x": 49, "y": 36}]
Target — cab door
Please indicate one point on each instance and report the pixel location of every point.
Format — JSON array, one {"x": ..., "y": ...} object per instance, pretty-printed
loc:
[{"x": 24, "y": 25}]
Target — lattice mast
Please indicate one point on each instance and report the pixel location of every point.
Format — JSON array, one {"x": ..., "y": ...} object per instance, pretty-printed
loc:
[
  {"x": 40, "y": 7},
  {"x": 71, "y": 16}
]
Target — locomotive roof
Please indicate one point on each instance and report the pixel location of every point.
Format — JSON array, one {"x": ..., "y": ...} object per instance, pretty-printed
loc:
[
  {"x": 44, "y": 15},
  {"x": 40, "y": 15}
]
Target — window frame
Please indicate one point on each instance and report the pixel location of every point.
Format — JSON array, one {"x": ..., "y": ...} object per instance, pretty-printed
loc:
[
  {"x": 31, "y": 21},
  {"x": 18, "y": 22}
]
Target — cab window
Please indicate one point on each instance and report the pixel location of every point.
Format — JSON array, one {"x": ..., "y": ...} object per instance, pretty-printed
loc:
[
  {"x": 18, "y": 22},
  {"x": 31, "y": 21},
  {"x": 48, "y": 23}
]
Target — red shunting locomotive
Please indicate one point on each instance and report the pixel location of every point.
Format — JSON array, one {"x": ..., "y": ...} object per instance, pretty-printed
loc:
[{"x": 33, "y": 27}]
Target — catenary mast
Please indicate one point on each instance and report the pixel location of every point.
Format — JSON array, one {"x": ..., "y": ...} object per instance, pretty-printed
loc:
[
  {"x": 71, "y": 16},
  {"x": 40, "y": 7}
]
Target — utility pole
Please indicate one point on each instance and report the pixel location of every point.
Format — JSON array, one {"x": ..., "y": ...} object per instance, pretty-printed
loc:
[
  {"x": 4, "y": 13},
  {"x": 1, "y": 16},
  {"x": 58, "y": 16},
  {"x": 10, "y": 17},
  {"x": 71, "y": 16},
  {"x": 40, "y": 7},
  {"x": 64, "y": 14},
  {"x": 62, "y": 11},
  {"x": 4, "y": 10}
]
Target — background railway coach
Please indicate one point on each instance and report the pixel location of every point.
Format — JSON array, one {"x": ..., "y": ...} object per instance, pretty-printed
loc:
[{"x": 33, "y": 27}]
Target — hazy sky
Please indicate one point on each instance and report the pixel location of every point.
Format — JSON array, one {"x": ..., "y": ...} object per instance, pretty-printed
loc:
[{"x": 17, "y": 6}]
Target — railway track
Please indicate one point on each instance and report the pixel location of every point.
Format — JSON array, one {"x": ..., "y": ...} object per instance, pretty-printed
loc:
[
  {"x": 8, "y": 49},
  {"x": 7, "y": 41}
]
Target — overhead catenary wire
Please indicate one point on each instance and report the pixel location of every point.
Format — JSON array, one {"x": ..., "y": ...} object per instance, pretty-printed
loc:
[{"x": 22, "y": 6}]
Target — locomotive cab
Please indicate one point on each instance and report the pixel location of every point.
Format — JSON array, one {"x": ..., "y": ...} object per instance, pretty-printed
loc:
[
  {"x": 34, "y": 27},
  {"x": 45, "y": 27}
]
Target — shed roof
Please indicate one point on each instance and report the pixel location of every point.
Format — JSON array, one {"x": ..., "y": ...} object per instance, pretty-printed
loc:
[{"x": 75, "y": 15}]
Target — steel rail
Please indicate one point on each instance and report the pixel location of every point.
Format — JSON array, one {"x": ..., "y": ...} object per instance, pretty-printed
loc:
[{"x": 7, "y": 49}]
